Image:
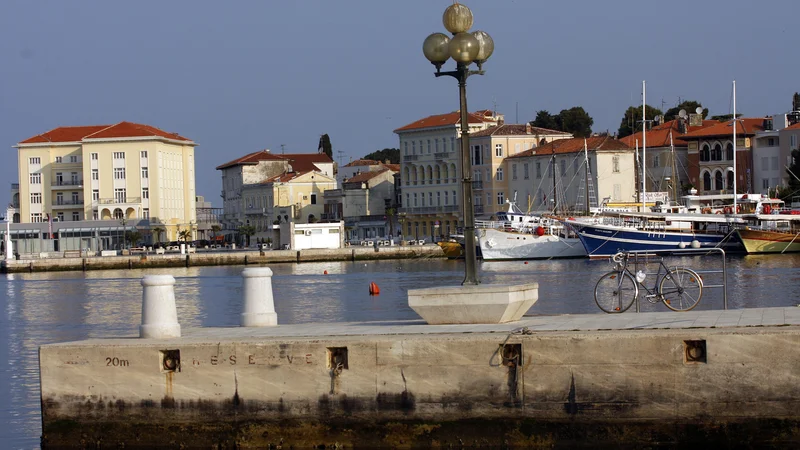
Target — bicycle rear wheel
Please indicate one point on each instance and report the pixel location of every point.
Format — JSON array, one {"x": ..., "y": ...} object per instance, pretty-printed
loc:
[
  {"x": 615, "y": 292},
  {"x": 681, "y": 289}
]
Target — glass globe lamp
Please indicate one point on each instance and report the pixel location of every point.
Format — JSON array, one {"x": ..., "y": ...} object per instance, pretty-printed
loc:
[
  {"x": 464, "y": 48},
  {"x": 457, "y": 18},
  {"x": 486, "y": 47},
  {"x": 435, "y": 48}
]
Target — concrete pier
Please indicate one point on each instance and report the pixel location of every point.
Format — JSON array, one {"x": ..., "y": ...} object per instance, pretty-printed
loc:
[
  {"x": 631, "y": 379},
  {"x": 63, "y": 261}
]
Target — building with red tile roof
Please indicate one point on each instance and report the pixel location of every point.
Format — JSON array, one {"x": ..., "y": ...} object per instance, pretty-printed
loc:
[
  {"x": 557, "y": 171},
  {"x": 107, "y": 172}
]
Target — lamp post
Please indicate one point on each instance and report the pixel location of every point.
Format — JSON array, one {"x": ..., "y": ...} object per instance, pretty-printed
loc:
[{"x": 465, "y": 48}]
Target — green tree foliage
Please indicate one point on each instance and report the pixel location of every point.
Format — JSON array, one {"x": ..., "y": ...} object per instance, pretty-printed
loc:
[
  {"x": 392, "y": 154},
  {"x": 247, "y": 231},
  {"x": 325, "y": 145},
  {"x": 690, "y": 106},
  {"x": 724, "y": 117},
  {"x": 545, "y": 120},
  {"x": 574, "y": 120},
  {"x": 632, "y": 120}
]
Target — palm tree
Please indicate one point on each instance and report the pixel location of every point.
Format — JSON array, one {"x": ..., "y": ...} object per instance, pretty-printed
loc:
[
  {"x": 185, "y": 235},
  {"x": 158, "y": 231},
  {"x": 390, "y": 213},
  {"x": 133, "y": 237},
  {"x": 247, "y": 230}
]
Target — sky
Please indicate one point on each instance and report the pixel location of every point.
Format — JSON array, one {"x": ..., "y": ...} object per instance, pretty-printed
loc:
[{"x": 238, "y": 77}]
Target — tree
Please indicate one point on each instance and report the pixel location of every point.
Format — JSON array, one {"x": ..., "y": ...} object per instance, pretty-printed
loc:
[
  {"x": 724, "y": 117},
  {"x": 214, "y": 230},
  {"x": 391, "y": 154},
  {"x": 185, "y": 235},
  {"x": 576, "y": 121},
  {"x": 632, "y": 120},
  {"x": 133, "y": 237},
  {"x": 794, "y": 179},
  {"x": 390, "y": 214},
  {"x": 158, "y": 231},
  {"x": 690, "y": 106},
  {"x": 247, "y": 231},
  {"x": 325, "y": 145},
  {"x": 545, "y": 120}
]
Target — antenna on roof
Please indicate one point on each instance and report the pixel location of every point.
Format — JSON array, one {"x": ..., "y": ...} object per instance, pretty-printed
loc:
[
  {"x": 340, "y": 153},
  {"x": 283, "y": 146}
]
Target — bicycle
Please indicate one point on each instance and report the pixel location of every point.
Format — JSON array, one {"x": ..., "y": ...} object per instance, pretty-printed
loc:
[{"x": 680, "y": 288}]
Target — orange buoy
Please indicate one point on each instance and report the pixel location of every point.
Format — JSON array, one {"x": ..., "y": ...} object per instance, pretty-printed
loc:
[
  {"x": 325, "y": 272},
  {"x": 526, "y": 262},
  {"x": 540, "y": 231},
  {"x": 374, "y": 289}
]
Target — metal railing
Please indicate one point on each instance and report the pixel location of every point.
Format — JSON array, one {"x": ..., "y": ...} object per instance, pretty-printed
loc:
[
  {"x": 477, "y": 184},
  {"x": 411, "y": 157},
  {"x": 67, "y": 202},
  {"x": 640, "y": 257},
  {"x": 67, "y": 183},
  {"x": 111, "y": 201}
]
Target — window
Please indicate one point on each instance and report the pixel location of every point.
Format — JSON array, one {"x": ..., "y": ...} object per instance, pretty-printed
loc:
[
  {"x": 436, "y": 145},
  {"x": 615, "y": 164},
  {"x": 408, "y": 199},
  {"x": 429, "y": 145},
  {"x": 60, "y": 216},
  {"x": 95, "y": 174},
  {"x": 119, "y": 155},
  {"x": 94, "y": 215},
  {"x": 446, "y": 198},
  {"x": 313, "y": 199},
  {"x": 500, "y": 198},
  {"x": 498, "y": 150},
  {"x": 454, "y": 197},
  {"x": 705, "y": 153},
  {"x": 144, "y": 172},
  {"x": 143, "y": 153},
  {"x": 771, "y": 142},
  {"x": 36, "y": 217},
  {"x": 438, "y": 199},
  {"x": 415, "y": 199},
  {"x": 655, "y": 161},
  {"x": 35, "y": 161},
  {"x": 73, "y": 177},
  {"x": 95, "y": 195},
  {"x": 525, "y": 171},
  {"x": 538, "y": 169},
  {"x": 707, "y": 181},
  {"x": 430, "y": 198},
  {"x": 60, "y": 198},
  {"x": 774, "y": 161},
  {"x": 513, "y": 171},
  {"x": 59, "y": 159},
  {"x": 145, "y": 213},
  {"x": 120, "y": 195},
  {"x": 119, "y": 173},
  {"x": 75, "y": 200},
  {"x": 405, "y": 148},
  {"x": 452, "y": 144},
  {"x": 36, "y": 198},
  {"x": 516, "y": 148},
  {"x": 500, "y": 174},
  {"x": 76, "y": 216},
  {"x": 765, "y": 183},
  {"x": 423, "y": 198},
  {"x": 73, "y": 159},
  {"x": 36, "y": 178},
  {"x": 413, "y": 147},
  {"x": 476, "y": 155},
  {"x": 94, "y": 156},
  {"x": 145, "y": 193}
]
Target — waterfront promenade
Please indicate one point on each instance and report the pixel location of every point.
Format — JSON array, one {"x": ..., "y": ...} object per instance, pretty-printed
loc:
[
  {"x": 63, "y": 261},
  {"x": 711, "y": 377}
]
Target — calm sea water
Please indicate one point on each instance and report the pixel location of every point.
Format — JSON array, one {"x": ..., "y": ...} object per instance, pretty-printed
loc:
[{"x": 41, "y": 308}]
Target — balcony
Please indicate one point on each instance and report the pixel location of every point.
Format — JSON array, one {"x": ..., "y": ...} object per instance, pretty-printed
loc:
[
  {"x": 14, "y": 186},
  {"x": 67, "y": 204},
  {"x": 114, "y": 203},
  {"x": 431, "y": 209},
  {"x": 444, "y": 155},
  {"x": 478, "y": 209},
  {"x": 330, "y": 216},
  {"x": 477, "y": 185},
  {"x": 411, "y": 157},
  {"x": 255, "y": 211},
  {"x": 66, "y": 184}
]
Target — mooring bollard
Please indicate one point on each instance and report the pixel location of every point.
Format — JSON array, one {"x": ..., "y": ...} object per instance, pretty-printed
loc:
[
  {"x": 259, "y": 307},
  {"x": 159, "y": 314}
]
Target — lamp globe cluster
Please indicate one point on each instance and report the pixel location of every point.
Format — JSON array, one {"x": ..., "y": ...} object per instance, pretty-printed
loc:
[{"x": 464, "y": 47}]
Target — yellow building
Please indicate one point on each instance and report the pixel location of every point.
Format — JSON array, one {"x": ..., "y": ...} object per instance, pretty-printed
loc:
[{"x": 127, "y": 172}]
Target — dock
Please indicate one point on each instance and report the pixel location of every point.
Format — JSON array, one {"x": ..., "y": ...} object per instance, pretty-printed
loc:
[
  {"x": 628, "y": 379},
  {"x": 65, "y": 261}
]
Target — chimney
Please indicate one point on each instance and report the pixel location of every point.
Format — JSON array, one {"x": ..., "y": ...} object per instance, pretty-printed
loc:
[
  {"x": 681, "y": 125},
  {"x": 527, "y": 128}
]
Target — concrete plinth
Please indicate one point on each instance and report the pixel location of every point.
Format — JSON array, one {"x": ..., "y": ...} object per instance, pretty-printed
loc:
[
  {"x": 487, "y": 303},
  {"x": 259, "y": 306}
]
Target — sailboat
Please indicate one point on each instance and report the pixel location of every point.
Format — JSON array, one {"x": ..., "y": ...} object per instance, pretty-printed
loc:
[
  {"x": 654, "y": 231},
  {"x": 519, "y": 235}
]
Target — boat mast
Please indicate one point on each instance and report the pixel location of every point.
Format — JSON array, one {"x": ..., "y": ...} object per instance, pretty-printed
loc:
[
  {"x": 644, "y": 142},
  {"x": 734, "y": 146},
  {"x": 555, "y": 197},
  {"x": 586, "y": 173}
]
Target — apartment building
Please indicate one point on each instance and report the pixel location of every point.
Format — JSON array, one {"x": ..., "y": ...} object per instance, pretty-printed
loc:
[
  {"x": 431, "y": 174},
  {"x": 261, "y": 187},
  {"x": 772, "y": 151},
  {"x": 362, "y": 202},
  {"x": 710, "y": 156},
  {"x": 124, "y": 172},
  {"x": 554, "y": 175},
  {"x": 489, "y": 149}
]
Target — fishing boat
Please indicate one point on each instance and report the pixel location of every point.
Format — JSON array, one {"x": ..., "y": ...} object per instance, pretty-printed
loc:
[
  {"x": 773, "y": 236},
  {"x": 518, "y": 235}
]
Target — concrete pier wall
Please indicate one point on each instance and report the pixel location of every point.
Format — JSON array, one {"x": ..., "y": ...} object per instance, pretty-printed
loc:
[
  {"x": 152, "y": 260},
  {"x": 479, "y": 388}
]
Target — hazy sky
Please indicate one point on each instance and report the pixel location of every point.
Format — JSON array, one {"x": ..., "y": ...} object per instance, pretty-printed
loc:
[{"x": 241, "y": 76}]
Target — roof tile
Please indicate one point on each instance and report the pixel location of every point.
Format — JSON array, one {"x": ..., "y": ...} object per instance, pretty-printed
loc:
[
  {"x": 744, "y": 127},
  {"x": 573, "y": 145},
  {"x": 119, "y": 130},
  {"x": 658, "y": 136},
  {"x": 517, "y": 130},
  {"x": 453, "y": 118}
]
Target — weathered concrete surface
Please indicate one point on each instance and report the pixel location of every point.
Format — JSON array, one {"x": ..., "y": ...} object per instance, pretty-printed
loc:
[
  {"x": 153, "y": 260},
  {"x": 487, "y": 303},
  {"x": 426, "y": 386}
]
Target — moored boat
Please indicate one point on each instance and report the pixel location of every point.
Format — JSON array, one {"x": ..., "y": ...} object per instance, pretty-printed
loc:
[
  {"x": 771, "y": 233},
  {"x": 548, "y": 239}
]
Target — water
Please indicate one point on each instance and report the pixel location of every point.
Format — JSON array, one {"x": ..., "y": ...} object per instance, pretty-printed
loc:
[{"x": 41, "y": 308}]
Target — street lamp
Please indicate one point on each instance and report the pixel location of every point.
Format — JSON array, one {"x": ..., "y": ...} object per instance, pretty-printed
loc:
[{"x": 465, "y": 48}]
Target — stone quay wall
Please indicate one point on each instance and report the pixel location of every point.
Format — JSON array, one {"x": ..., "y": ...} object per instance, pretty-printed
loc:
[
  {"x": 631, "y": 387},
  {"x": 151, "y": 260}
]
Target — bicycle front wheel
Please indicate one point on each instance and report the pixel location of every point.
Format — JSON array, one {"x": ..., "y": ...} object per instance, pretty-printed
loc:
[
  {"x": 615, "y": 292},
  {"x": 681, "y": 289}
]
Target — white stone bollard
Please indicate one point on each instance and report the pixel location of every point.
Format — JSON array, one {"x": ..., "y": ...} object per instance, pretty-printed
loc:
[
  {"x": 159, "y": 314},
  {"x": 259, "y": 307},
  {"x": 183, "y": 248}
]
